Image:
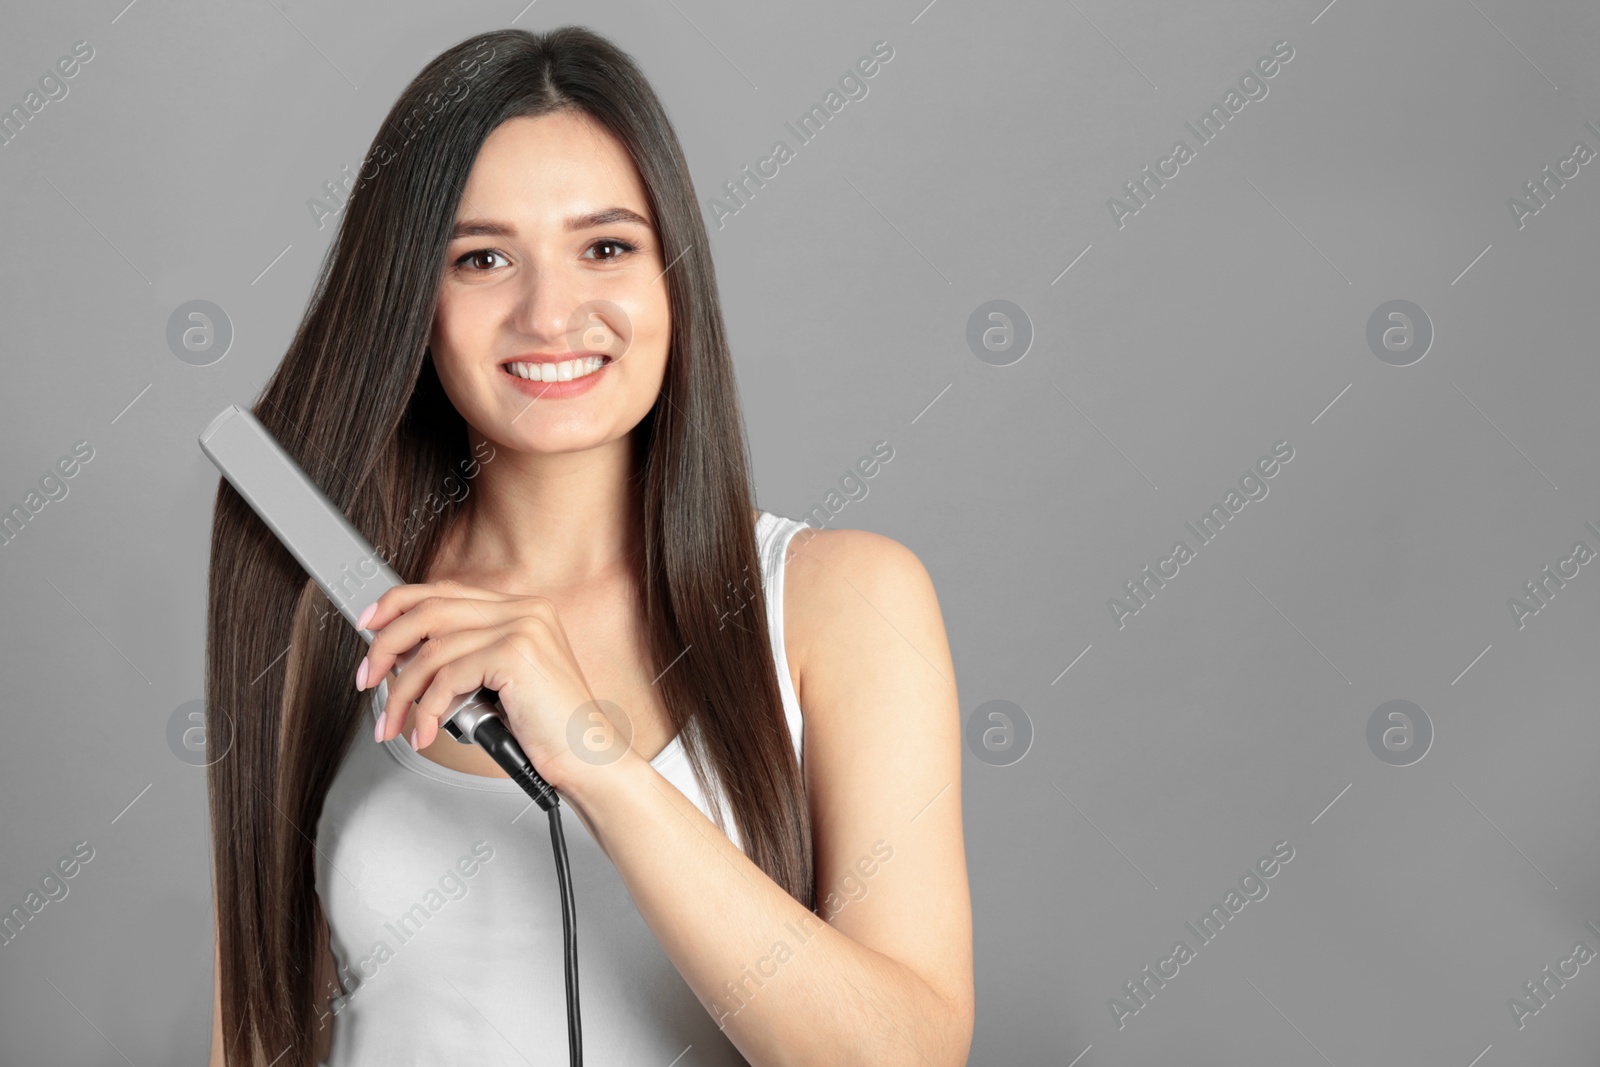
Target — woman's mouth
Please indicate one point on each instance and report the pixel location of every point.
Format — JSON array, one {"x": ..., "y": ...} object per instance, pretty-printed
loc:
[
  {"x": 565, "y": 371},
  {"x": 557, "y": 380}
]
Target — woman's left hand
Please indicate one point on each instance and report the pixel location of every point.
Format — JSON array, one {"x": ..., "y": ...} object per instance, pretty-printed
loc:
[{"x": 472, "y": 637}]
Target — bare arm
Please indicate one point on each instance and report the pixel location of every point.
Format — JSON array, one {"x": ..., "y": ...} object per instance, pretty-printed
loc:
[{"x": 884, "y": 977}]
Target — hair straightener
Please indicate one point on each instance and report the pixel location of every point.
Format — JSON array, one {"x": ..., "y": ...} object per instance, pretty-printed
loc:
[{"x": 347, "y": 568}]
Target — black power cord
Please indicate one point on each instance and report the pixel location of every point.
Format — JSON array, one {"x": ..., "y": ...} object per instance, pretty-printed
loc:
[{"x": 495, "y": 737}]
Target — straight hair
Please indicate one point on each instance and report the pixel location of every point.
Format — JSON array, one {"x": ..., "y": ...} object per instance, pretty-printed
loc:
[{"x": 357, "y": 402}]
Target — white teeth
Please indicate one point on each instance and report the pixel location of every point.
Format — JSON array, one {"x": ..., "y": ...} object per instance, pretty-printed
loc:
[{"x": 557, "y": 372}]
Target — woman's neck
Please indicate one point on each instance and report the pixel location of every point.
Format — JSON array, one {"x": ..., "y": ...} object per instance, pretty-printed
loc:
[{"x": 546, "y": 522}]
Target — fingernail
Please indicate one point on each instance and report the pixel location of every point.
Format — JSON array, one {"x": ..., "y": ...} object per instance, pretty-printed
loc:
[
  {"x": 361, "y": 674},
  {"x": 413, "y": 737},
  {"x": 366, "y": 616},
  {"x": 377, "y": 732}
]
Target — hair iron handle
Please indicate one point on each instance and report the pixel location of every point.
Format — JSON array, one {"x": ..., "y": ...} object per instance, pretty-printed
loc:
[{"x": 347, "y": 568}]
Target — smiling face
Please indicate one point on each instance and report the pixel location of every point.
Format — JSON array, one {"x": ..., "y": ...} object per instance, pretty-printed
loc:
[{"x": 554, "y": 264}]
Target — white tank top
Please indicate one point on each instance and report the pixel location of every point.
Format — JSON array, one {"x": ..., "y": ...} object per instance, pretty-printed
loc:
[{"x": 444, "y": 911}]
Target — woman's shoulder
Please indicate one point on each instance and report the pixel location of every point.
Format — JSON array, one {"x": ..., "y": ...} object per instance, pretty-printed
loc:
[{"x": 847, "y": 592}]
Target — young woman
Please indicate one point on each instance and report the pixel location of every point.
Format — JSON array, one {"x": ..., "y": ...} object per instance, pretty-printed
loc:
[{"x": 513, "y": 378}]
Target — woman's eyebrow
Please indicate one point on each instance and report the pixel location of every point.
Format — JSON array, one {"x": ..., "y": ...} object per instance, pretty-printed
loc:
[{"x": 494, "y": 228}]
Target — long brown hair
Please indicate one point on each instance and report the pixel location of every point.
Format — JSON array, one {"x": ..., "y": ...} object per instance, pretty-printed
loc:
[{"x": 358, "y": 404}]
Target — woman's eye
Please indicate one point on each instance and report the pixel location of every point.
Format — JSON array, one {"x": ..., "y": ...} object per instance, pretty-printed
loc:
[
  {"x": 613, "y": 249},
  {"x": 611, "y": 242},
  {"x": 476, "y": 254}
]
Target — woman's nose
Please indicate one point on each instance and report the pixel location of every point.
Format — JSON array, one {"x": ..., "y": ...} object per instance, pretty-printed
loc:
[{"x": 545, "y": 305}]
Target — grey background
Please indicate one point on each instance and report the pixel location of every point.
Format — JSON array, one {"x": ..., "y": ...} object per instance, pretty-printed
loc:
[{"x": 1229, "y": 314}]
